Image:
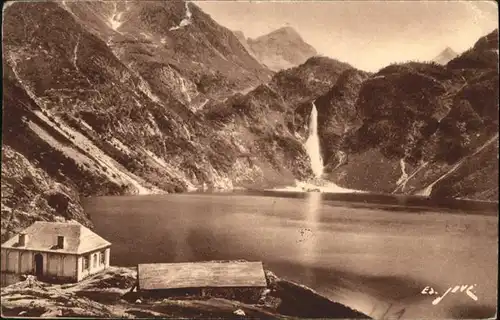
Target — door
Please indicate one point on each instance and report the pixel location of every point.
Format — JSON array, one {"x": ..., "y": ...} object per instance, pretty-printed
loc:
[{"x": 38, "y": 265}]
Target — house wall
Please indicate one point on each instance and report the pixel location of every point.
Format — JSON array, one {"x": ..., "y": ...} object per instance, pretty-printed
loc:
[
  {"x": 61, "y": 266},
  {"x": 12, "y": 261},
  {"x": 64, "y": 267},
  {"x": 3, "y": 260},
  {"x": 93, "y": 268},
  {"x": 107, "y": 255},
  {"x": 27, "y": 263},
  {"x": 55, "y": 265}
]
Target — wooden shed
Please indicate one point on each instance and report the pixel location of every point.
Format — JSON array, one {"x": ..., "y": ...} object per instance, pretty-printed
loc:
[{"x": 243, "y": 281}]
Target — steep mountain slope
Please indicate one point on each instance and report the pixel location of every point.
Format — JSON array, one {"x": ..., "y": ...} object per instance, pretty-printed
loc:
[
  {"x": 445, "y": 56},
  {"x": 337, "y": 114},
  {"x": 174, "y": 46},
  {"x": 283, "y": 105},
  {"x": 93, "y": 108},
  {"x": 413, "y": 128},
  {"x": 281, "y": 49},
  {"x": 105, "y": 98},
  {"x": 243, "y": 40},
  {"x": 418, "y": 128}
]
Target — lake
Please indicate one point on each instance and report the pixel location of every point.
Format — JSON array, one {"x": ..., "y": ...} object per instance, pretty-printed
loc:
[{"x": 374, "y": 257}]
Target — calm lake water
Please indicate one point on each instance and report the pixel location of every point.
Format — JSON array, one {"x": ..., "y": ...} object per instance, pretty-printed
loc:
[{"x": 372, "y": 257}]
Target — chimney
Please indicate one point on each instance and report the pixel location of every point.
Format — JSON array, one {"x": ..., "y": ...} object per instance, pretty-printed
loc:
[
  {"x": 22, "y": 239},
  {"x": 60, "y": 242}
]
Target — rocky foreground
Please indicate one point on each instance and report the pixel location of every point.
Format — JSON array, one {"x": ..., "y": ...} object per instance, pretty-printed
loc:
[{"x": 109, "y": 295}]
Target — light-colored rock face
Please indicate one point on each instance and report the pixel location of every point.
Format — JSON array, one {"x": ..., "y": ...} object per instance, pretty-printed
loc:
[
  {"x": 445, "y": 56},
  {"x": 281, "y": 49}
]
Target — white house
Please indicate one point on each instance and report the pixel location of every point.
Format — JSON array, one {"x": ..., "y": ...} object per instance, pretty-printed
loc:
[{"x": 60, "y": 251}]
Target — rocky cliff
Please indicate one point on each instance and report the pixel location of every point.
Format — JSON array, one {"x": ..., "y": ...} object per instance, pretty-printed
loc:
[{"x": 280, "y": 49}]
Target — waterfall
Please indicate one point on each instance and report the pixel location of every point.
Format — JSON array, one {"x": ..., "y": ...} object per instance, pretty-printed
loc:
[
  {"x": 184, "y": 90},
  {"x": 312, "y": 144}
]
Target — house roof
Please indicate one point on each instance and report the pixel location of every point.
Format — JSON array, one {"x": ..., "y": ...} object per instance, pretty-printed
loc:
[
  {"x": 42, "y": 236},
  {"x": 200, "y": 275}
]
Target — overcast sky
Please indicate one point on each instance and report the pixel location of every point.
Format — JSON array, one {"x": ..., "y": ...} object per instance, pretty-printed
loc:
[{"x": 366, "y": 34}]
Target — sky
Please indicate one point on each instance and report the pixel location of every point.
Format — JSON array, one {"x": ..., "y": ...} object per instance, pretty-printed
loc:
[{"x": 367, "y": 34}]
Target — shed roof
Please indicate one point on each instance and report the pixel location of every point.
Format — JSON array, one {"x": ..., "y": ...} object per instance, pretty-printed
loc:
[
  {"x": 42, "y": 236},
  {"x": 200, "y": 275}
]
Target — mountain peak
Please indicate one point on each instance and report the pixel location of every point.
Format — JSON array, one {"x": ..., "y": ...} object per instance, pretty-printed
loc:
[
  {"x": 239, "y": 34},
  {"x": 449, "y": 50},
  {"x": 281, "y": 49},
  {"x": 285, "y": 32},
  {"x": 445, "y": 56}
]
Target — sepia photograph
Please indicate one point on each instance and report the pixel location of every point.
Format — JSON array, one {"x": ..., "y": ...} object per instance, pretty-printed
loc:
[{"x": 246, "y": 159}]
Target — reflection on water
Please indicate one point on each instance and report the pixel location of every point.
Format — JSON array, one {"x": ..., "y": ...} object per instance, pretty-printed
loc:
[{"x": 308, "y": 242}]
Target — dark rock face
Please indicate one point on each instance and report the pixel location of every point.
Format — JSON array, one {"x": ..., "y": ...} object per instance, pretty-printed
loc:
[
  {"x": 416, "y": 128},
  {"x": 484, "y": 54},
  {"x": 309, "y": 80},
  {"x": 337, "y": 113}
]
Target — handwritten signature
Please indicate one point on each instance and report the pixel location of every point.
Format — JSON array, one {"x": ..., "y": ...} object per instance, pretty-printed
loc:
[{"x": 467, "y": 288}]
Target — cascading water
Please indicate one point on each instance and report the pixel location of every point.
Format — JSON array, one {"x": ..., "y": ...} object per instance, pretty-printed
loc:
[
  {"x": 318, "y": 184},
  {"x": 312, "y": 144}
]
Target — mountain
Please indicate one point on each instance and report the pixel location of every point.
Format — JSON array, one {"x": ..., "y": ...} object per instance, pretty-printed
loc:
[
  {"x": 445, "y": 56},
  {"x": 240, "y": 36},
  {"x": 174, "y": 46},
  {"x": 105, "y": 98},
  {"x": 483, "y": 55},
  {"x": 113, "y": 98},
  {"x": 416, "y": 128},
  {"x": 281, "y": 49},
  {"x": 411, "y": 128}
]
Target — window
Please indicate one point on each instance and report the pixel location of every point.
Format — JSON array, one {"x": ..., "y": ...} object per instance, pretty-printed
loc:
[
  {"x": 85, "y": 263},
  {"x": 102, "y": 254},
  {"x": 95, "y": 260}
]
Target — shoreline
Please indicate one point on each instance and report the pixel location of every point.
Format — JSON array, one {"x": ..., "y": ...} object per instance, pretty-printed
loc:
[
  {"x": 413, "y": 202},
  {"x": 109, "y": 294}
]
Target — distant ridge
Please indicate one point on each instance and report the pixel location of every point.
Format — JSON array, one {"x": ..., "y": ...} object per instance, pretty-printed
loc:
[
  {"x": 445, "y": 56},
  {"x": 280, "y": 49}
]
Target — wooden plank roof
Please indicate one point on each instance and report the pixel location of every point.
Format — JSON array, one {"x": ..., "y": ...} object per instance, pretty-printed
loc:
[{"x": 200, "y": 275}]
